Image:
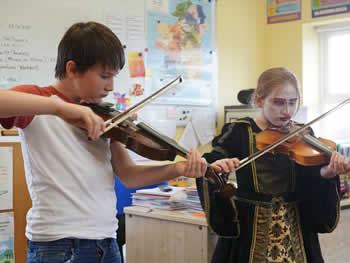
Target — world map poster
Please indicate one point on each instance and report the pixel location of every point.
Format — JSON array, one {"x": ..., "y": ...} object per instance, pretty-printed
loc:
[
  {"x": 329, "y": 7},
  {"x": 180, "y": 43}
]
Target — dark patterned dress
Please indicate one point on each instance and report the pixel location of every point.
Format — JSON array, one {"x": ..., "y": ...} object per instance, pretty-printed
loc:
[{"x": 278, "y": 209}]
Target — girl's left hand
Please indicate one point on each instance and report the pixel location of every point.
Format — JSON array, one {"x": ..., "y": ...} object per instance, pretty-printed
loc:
[
  {"x": 193, "y": 167},
  {"x": 337, "y": 165}
]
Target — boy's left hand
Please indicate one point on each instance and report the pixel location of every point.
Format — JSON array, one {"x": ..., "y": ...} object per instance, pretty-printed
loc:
[
  {"x": 337, "y": 165},
  {"x": 194, "y": 167}
]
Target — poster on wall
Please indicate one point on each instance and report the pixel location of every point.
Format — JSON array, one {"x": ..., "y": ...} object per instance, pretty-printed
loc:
[
  {"x": 279, "y": 11},
  {"x": 329, "y": 7},
  {"x": 180, "y": 43}
]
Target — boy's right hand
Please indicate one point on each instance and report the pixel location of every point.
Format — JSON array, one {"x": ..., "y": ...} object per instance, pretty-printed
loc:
[
  {"x": 82, "y": 117},
  {"x": 226, "y": 165}
]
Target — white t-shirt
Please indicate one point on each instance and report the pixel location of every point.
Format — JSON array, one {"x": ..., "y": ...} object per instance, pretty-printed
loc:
[{"x": 70, "y": 178}]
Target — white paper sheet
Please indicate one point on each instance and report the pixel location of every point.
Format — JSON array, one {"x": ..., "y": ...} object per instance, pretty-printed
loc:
[
  {"x": 160, "y": 6},
  {"x": 135, "y": 28},
  {"x": 117, "y": 23},
  {"x": 205, "y": 130},
  {"x": 189, "y": 138},
  {"x": 6, "y": 175}
]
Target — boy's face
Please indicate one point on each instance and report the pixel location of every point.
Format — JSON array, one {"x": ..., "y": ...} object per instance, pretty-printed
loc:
[
  {"x": 280, "y": 106},
  {"x": 95, "y": 84}
]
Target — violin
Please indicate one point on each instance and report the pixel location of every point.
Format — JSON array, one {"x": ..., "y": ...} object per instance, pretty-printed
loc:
[
  {"x": 147, "y": 142},
  {"x": 306, "y": 150},
  {"x": 272, "y": 141},
  {"x": 303, "y": 148}
]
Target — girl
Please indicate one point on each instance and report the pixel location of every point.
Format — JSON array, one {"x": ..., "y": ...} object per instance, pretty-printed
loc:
[{"x": 279, "y": 206}]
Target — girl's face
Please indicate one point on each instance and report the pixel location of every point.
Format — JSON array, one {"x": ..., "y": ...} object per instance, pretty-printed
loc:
[{"x": 280, "y": 105}]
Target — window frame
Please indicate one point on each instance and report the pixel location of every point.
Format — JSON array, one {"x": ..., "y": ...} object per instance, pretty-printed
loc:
[{"x": 326, "y": 97}]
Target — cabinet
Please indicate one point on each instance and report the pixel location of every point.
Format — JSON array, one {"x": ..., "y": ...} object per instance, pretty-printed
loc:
[
  {"x": 239, "y": 111},
  {"x": 166, "y": 236}
]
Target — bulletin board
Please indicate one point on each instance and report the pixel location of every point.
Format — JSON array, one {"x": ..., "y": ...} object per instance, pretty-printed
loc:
[{"x": 162, "y": 39}]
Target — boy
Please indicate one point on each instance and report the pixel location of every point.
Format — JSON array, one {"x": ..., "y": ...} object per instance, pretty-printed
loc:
[{"x": 72, "y": 184}]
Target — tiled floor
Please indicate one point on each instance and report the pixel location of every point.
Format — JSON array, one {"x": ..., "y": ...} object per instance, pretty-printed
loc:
[{"x": 336, "y": 246}]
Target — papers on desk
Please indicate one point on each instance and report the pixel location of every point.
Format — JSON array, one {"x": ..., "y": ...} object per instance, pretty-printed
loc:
[
  {"x": 155, "y": 198},
  {"x": 176, "y": 198},
  {"x": 157, "y": 191},
  {"x": 192, "y": 202}
]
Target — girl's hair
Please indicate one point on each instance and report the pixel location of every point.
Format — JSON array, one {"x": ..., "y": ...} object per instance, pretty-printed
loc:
[{"x": 274, "y": 78}]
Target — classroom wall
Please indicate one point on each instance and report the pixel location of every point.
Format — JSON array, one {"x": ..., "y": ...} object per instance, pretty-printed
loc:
[
  {"x": 247, "y": 45},
  {"x": 240, "y": 44},
  {"x": 285, "y": 44},
  {"x": 240, "y": 36}
]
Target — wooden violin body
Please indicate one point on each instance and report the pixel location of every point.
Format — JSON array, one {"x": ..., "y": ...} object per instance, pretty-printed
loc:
[
  {"x": 304, "y": 149},
  {"x": 133, "y": 137}
]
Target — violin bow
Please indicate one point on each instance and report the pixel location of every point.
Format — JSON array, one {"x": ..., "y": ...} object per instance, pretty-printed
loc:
[
  {"x": 182, "y": 152},
  {"x": 111, "y": 123},
  {"x": 256, "y": 155}
]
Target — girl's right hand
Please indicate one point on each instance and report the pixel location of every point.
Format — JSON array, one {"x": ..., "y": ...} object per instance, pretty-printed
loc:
[
  {"x": 226, "y": 165},
  {"x": 82, "y": 117}
]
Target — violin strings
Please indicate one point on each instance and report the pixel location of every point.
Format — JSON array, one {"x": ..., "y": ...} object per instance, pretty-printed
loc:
[
  {"x": 317, "y": 144},
  {"x": 162, "y": 137}
]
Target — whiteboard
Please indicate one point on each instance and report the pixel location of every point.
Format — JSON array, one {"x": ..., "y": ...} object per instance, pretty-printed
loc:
[{"x": 30, "y": 31}]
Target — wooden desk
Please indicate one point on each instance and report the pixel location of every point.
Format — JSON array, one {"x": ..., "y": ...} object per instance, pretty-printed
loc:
[
  {"x": 166, "y": 236},
  {"x": 345, "y": 203}
]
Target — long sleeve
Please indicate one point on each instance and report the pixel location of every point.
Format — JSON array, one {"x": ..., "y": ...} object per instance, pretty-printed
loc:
[
  {"x": 320, "y": 200},
  {"x": 221, "y": 213}
]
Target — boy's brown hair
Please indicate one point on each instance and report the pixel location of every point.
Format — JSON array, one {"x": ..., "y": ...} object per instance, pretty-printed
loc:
[{"x": 88, "y": 44}]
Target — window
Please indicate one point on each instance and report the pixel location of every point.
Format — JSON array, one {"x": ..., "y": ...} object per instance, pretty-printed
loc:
[{"x": 335, "y": 82}]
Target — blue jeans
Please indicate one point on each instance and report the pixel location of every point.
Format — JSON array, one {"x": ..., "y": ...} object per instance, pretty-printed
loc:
[{"x": 74, "y": 251}]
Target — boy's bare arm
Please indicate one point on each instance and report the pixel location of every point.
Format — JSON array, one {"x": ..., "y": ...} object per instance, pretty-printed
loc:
[
  {"x": 14, "y": 103},
  {"x": 134, "y": 176}
]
